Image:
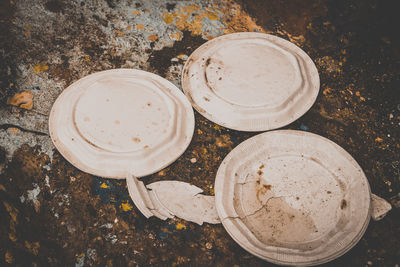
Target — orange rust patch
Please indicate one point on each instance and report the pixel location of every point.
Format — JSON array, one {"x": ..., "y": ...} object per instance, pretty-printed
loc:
[
  {"x": 139, "y": 27},
  {"x": 13, "y": 130},
  {"x": 152, "y": 37},
  {"x": 22, "y": 100},
  {"x": 119, "y": 33},
  {"x": 40, "y": 67}
]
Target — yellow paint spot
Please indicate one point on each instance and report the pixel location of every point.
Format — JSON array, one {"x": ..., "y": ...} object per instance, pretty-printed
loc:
[
  {"x": 22, "y": 100},
  {"x": 139, "y": 27},
  {"x": 33, "y": 247},
  {"x": 11, "y": 210},
  {"x": 168, "y": 18},
  {"x": 216, "y": 127},
  {"x": 104, "y": 185},
  {"x": 180, "y": 226},
  {"x": 340, "y": 63},
  {"x": 9, "y": 257},
  {"x": 212, "y": 191},
  {"x": 87, "y": 58},
  {"x": 379, "y": 140},
  {"x": 362, "y": 98},
  {"x": 152, "y": 37},
  {"x": 326, "y": 91},
  {"x": 119, "y": 33},
  {"x": 357, "y": 93},
  {"x": 125, "y": 206},
  {"x": 212, "y": 16},
  {"x": 199, "y": 131},
  {"x": 176, "y": 36},
  {"x": 343, "y": 51},
  {"x": 136, "y": 12},
  {"x": 12, "y": 237},
  {"x": 40, "y": 67},
  {"x": 205, "y": 150},
  {"x": 28, "y": 29}
]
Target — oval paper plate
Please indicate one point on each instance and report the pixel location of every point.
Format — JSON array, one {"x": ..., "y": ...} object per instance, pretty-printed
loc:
[
  {"x": 292, "y": 198},
  {"x": 118, "y": 120},
  {"x": 250, "y": 81}
]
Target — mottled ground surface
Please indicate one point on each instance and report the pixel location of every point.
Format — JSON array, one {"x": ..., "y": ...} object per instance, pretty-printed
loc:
[{"x": 53, "y": 214}]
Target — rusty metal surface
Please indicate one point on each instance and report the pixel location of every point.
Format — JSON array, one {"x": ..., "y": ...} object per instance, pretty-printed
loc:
[{"x": 53, "y": 214}]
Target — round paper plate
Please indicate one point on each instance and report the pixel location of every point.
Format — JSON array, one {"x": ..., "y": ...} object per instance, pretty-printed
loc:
[
  {"x": 292, "y": 198},
  {"x": 121, "y": 120},
  {"x": 250, "y": 81}
]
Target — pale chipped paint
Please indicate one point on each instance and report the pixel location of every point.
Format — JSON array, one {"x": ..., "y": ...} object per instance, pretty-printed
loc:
[{"x": 32, "y": 195}]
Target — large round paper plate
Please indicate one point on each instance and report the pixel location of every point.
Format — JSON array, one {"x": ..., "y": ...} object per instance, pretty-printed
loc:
[
  {"x": 250, "y": 81},
  {"x": 292, "y": 198},
  {"x": 121, "y": 120}
]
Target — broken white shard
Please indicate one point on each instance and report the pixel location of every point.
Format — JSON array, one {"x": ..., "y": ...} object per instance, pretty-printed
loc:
[
  {"x": 380, "y": 207},
  {"x": 139, "y": 195},
  {"x": 167, "y": 199},
  {"x": 185, "y": 201}
]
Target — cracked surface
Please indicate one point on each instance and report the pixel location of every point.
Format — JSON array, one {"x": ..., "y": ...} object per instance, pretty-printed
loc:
[{"x": 46, "y": 45}]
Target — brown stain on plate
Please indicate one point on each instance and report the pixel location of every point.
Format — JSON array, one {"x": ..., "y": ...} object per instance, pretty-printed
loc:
[
  {"x": 277, "y": 222},
  {"x": 343, "y": 204}
]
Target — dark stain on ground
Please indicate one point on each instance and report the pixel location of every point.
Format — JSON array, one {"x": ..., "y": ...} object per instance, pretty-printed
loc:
[
  {"x": 70, "y": 218},
  {"x": 160, "y": 60},
  {"x": 170, "y": 6},
  {"x": 3, "y": 155},
  {"x": 8, "y": 68},
  {"x": 294, "y": 16},
  {"x": 55, "y": 6}
]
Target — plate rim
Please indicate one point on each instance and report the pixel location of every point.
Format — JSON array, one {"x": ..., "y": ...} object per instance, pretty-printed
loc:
[
  {"x": 75, "y": 160},
  {"x": 311, "y": 67},
  {"x": 219, "y": 183}
]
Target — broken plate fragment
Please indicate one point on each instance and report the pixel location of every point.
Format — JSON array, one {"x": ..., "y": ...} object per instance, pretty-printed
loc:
[
  {"x": 293, "y": 198},
  {"x": 380, "y": 207},
  {"x": 117, "y": 120},
  {"x": 167, "y": 199},
  {"x": 250, "y": 81}
]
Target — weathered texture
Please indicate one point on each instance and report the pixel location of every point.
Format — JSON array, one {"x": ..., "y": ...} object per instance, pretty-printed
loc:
[{"x": 53, "y": 214}]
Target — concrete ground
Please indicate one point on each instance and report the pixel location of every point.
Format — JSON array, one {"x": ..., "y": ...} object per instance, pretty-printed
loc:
[{"x": 53, "y": 214}]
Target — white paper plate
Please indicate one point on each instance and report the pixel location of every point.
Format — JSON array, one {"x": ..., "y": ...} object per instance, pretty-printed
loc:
[
  {"x": 250, "y": 81},
  {"x": 118, "y": 120},
  {"x": 292, "y": 198}
]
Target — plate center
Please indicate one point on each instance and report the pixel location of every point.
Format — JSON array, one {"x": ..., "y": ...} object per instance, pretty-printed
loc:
[
  {"x": 121, "y": 115},
  {"x": 291, "y": 201},
  {"x": 252, "y": 74}
]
